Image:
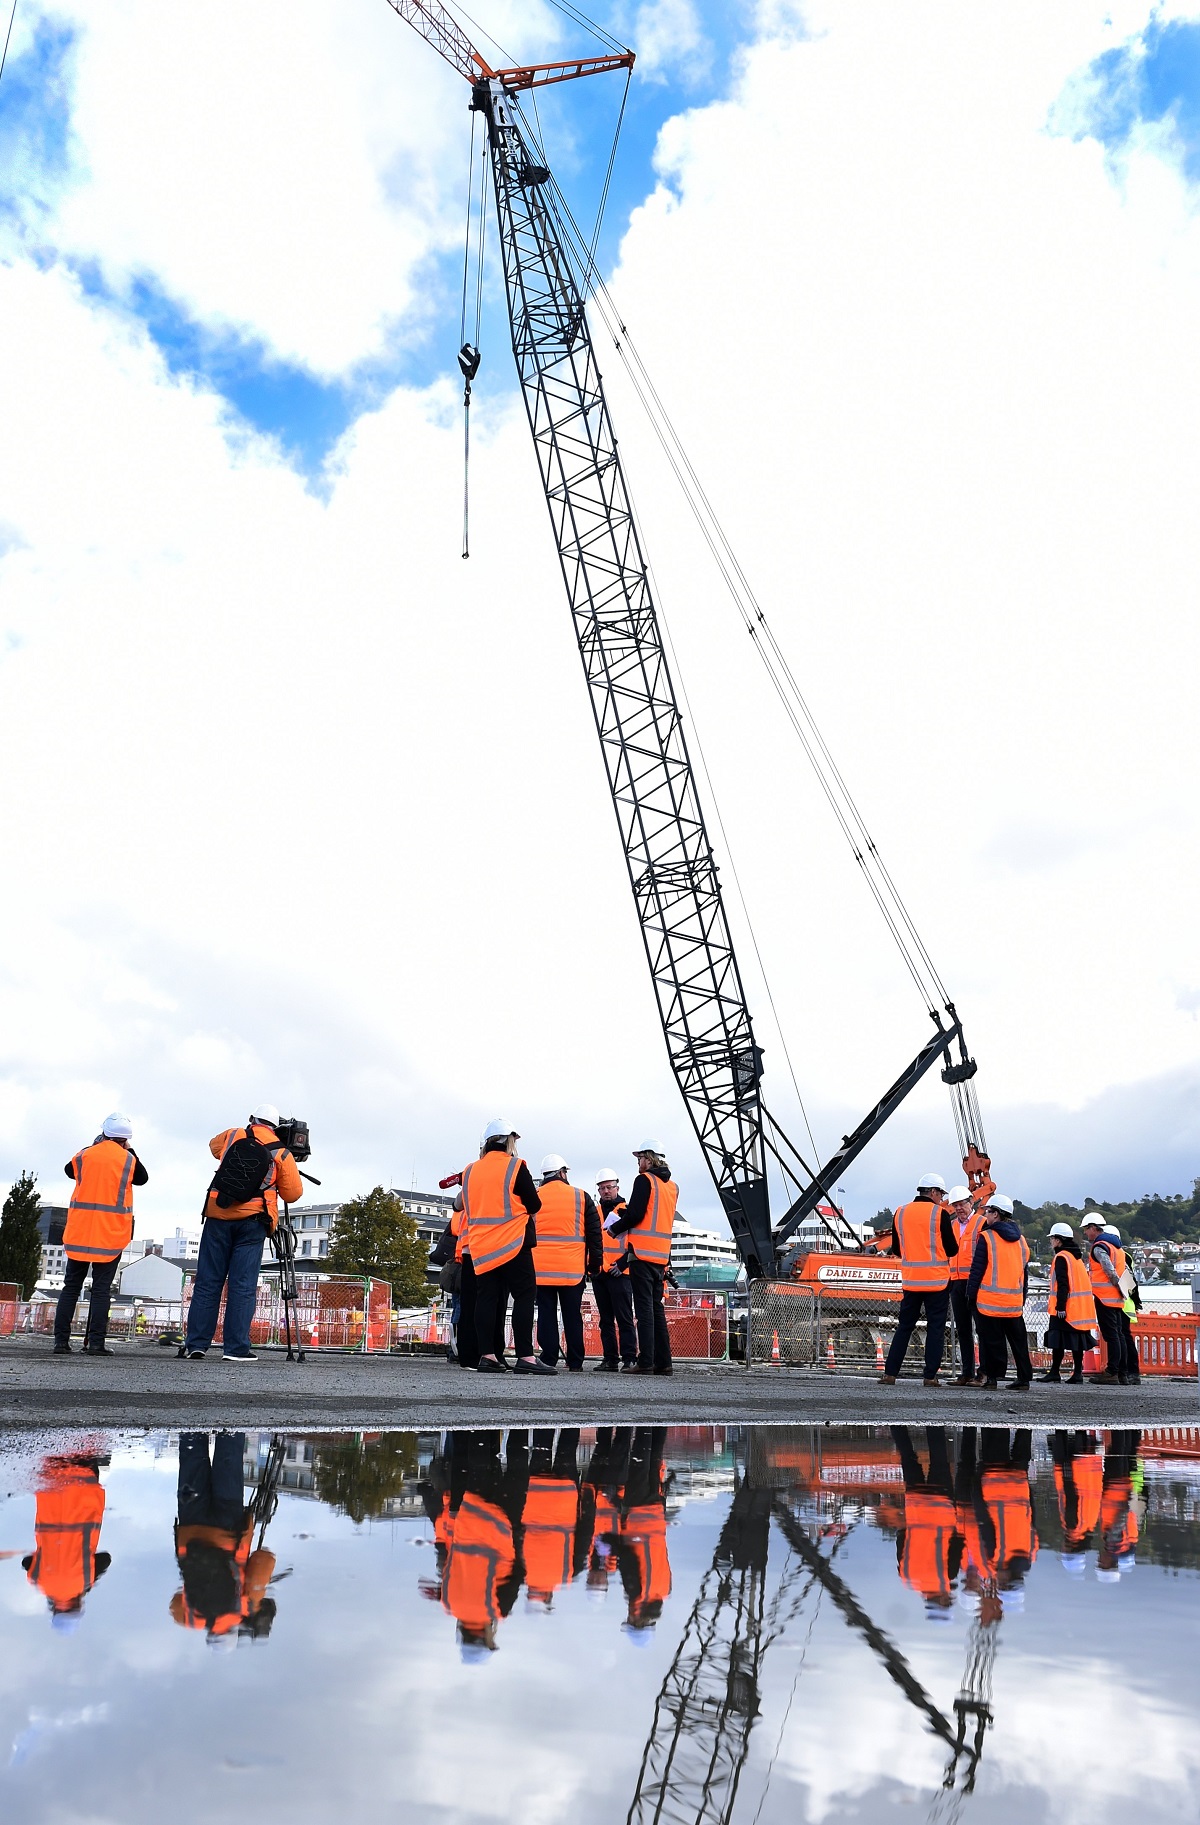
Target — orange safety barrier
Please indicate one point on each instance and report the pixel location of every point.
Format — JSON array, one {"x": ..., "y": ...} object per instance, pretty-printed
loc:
[
  {"x": 697, "y": 1324},
  {"x": 1167, "y": 1345},
  {"x": 9, "y": 1308},
  {"x": 333, "y": 1312}
]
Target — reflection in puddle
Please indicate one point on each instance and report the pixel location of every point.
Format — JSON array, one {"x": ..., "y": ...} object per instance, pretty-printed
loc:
[{"x": 701, "y": 1624}]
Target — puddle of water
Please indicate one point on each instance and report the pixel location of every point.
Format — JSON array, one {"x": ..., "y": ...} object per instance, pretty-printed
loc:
[{"x": 699, "y": 1624}]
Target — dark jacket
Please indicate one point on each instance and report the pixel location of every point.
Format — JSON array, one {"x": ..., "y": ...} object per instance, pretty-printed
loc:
[
  {"x": 593, "y": 1236},
  {"x": 639, "y": 1202},
  {"x": 1010, "y": 1231}
]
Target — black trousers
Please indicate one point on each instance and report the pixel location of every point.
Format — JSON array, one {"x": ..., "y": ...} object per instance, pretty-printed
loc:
[
  {"x": 654, "y": 1339},
  {"x": 550, "y": 1301},
  {"x": 964, "y": 1325},
  {"x": 68, "y": 1299},
  {"x": 1108, "y": 1318},
  {"x": 491, "y": 1297},
  {"x": 614, "y": 1302},
  {"x": 997, "y": 1333},
  {"x": 468, "y": 1342},
  {"x": 935, "y": 1306},
  {"x": 1133, "y": 1364}
]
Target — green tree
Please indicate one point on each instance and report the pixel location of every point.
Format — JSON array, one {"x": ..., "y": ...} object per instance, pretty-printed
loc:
[
  {"x": 20, "y": 1240},
  {"x": 359, "y": 1476},
  {"x": 375, "y": 1235}
]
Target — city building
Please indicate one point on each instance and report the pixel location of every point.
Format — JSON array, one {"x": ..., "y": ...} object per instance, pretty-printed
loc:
[
  {"x": 313, "y": 1222},
  {"x": 692, "y": 1247},
  {"x": 152, "y": 1277}
]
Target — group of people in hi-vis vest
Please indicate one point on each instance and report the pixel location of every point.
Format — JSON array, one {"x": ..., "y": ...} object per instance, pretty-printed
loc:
[
  {"x": 508, "y": 1514},
  {"x": 955, "y": 1255},
  {"x": 969, "y": 1531},
  {"x": 537, "y": 1244}
]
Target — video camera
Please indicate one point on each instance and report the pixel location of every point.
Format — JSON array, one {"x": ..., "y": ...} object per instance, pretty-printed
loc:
[{"x": 293, "y": 1132}]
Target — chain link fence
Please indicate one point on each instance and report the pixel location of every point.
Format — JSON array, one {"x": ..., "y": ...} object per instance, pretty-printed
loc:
[{"x": 333, "y": 1312}]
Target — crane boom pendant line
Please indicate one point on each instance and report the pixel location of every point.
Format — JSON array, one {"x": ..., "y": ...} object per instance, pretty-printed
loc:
[{"x": 672, "y": 870}]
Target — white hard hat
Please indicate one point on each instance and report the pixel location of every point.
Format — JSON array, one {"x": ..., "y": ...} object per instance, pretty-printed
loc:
[
  {"x": 499, "y": 1131},
  {"x": 1110, "y": 1229},
  {"x": 999, "y": 1202},
  {"x": 117, "y": 1127},
  {"x": 1074, "y": 1563},
  {"x": 1107, "y": 1576},
  {"x": 1062, "y": 1229},
  {"x": 606, "y": 1173},
  {"x": 1013, "y": 1602},
  {"x": 957, "y": 1193},
  {"x": 931, "y": 1181},
  {"x": 266, "y": 1112},
  {"x": 1091, "y": 1217},
  {"x": 647, "y": 1147},
  {"x": 554, "y": 1162}
]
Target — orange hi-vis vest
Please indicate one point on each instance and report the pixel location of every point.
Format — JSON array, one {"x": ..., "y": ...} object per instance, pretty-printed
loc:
[
  {"x": 558, "y": 1255},
  {"x": 1010, "y": 1506},
  {"x": 930, "y": 1524},
  {"x": 66, "y": 1530},
  {"x": 283, "y": 1177},
  {"x": 614, "y": 1246},
  {"x": 1086, "y": 1474},
  {"x": 924, "y": 1263},
  {"x": 1081, "y": 1306},
  {"x": 650, "y": 1239},
  {"x": 968, "y": 1236},
  {"x": 1102, "y": 1286},
  {"x": 549, "y": 1519},
  {"x": 1118, "y": 1516},
  {"x": 1001, "y": 1293},
  {"x": 495, "y": 1218},
  {"x": 100, "y": 1218},
  {"x": 645, "y": 1531},
  {"x": 250, "y": 1574},
  {"x": 481, "y": 1557}
]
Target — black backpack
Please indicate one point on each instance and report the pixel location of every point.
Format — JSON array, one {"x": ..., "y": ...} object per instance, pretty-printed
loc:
[{"x": 243, "y": 1173}]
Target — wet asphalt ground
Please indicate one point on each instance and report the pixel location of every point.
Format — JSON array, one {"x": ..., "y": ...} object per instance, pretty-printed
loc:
[{"x": 144, "y": 1384}]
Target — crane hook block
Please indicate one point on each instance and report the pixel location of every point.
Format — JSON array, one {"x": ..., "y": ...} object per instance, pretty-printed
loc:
[{"x": 468, "y": 360}]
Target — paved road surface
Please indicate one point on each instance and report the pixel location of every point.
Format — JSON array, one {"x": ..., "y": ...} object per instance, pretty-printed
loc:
[{"x": 146, "y": 1385}]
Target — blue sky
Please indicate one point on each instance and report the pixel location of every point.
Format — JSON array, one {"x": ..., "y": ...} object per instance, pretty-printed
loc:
[{"x": 1153, "y": 77}]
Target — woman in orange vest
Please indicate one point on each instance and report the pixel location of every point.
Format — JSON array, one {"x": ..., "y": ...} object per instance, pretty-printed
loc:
[
  {"x": 99, "y": 1228},
  {"x": 642, "y": 1553},
  {"x": 646, "y": 1223},
  {"x": 65, "y": 1562},
  {"x": 483, "y": 1570},
  {"x": 551, "y": 1519},
  {"x": 967, "y": 1224},
  {"x": 996, "y": 1286},
  {"x": 1070, "y": 1306},
  {"x": 926, "y": 1240},
  {"x": 1106, "y": 1264},
  {"x": 568, "y": 1247},
  {"x": 614, "y": 1295},
  {"x": 1078, "y": 1482},
  {"x": 500, "y": 1202}
]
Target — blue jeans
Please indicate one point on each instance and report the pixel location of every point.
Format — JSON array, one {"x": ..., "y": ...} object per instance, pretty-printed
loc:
[
  {"x": 228, "y": 1252},
  {"x": 936, "y": 1305}
]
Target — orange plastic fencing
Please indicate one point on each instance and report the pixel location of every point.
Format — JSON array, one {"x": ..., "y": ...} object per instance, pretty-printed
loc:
[
  {"x": 333, "y": 1312},
  {"x": 9, "y": 1312},
  {"x": 1167, "y": 1345},
  {"x": 697, "y": 1324}
]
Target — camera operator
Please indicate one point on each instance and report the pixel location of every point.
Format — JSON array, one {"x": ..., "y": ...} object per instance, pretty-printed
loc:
[{"x": 240, "y": 1211}]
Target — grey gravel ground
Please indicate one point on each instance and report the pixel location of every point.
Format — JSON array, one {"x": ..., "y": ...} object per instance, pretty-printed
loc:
[{"x": 146, "y": 1385}]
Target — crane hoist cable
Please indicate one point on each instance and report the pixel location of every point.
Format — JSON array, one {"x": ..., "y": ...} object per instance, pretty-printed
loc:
[
  {"x": 468, "y": 353},
  {"x": 7, "y": 37}
]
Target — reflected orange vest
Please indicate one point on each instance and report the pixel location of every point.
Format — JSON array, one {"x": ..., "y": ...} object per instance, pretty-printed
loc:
[
  {"x": 930, "y": 1524},
  {"x": 968, "y": 1236},
  {"x": 1006, "y": 1495},
  {"x": 1118, "y": 1517},
  {"x": 1087, "y": 1475},
  {"x": 549, "y": 1520},
  {"x": 1000, "y": 1292},
  {"x": 100, "y": 1218},
  {"x": 1081, "y": 1307},
  {"x": 558, "y": 1255},
  {"x": 66, "y": 1530},
  {"x": 494, "y": 1217},
  {"x": 650, "y": 1239},
  {"x": 1102, "y": 1286},
  {"x": 481, "y": 1557},
  {"x": 608, "y": 1514},
  {"x": 924, "y": 1263},
  {"x": 614, "y": 1246},
  {"x": 645, "y": 1530},
  {"x": 251, "y": 1575}
]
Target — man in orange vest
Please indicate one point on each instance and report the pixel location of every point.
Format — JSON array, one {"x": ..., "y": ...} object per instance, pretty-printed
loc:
[
  {"x": 607, "y": 1474},
  {"x": 967, "y": 1224},
  {"x": 553, "y": 1542},
  {"x": 1106, "y": 1264},
  {"x": 99, "y": 1227},
  {"x": 500, "y": 1202},
  {"x": 241, "y": 1210},
  {"x": 1004, "y": 1513},
  {"x": 925, "y": 1239},
  {"x": 614, "y": 1295},
  {"x": 646, "y": 1223},
  {"x": 997, "y": 1286},
  {"x": 65, "y": 1562},
  {"x": 928, "y": 1546},
  {"x": 568, "y": 1247},
  {"x": 225, "y": 1580},
  {"x": 642, "y": 1553},
  {"x": 1118, "y": 1508}
]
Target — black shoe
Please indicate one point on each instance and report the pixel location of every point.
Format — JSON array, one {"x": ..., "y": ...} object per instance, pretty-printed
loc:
[
  {"x": 990, "y": 1385},
  {"x": 1051, "y": 1375},
  {"x": 1020, "y": 1387},
  {"x": 487, "y": 1365},
  {"x": 97, "y": 1349},
  {"x": 574, "y": 1368},
  {"x": 641, "y": 1368},
  {"x": 669, "y": 1370},
  {"x": 62, "y": 1349},
  {"x": 239, "y": 1356},
  {"x": 1122, "y": 1381},
  {"x": 194, "y": 1355},
  {"x": 521, "y": 1367},
  {"x": 1074, "y": 1380},
  {"x": 606, "y": 1368}
]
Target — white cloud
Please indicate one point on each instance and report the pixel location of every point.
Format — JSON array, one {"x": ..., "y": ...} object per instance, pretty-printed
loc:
[{"x": 302, "y": 800}]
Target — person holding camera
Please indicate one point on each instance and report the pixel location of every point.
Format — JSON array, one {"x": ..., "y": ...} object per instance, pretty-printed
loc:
[{"x": 241, "y": 1210}]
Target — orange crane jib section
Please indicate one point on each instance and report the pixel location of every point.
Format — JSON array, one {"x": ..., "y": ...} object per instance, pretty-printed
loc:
[{"x": 441, "y": 29}]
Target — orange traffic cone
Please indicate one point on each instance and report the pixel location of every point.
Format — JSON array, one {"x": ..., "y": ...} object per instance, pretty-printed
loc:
[
  {"x": 431, "y": 1333},
  {"x": 774, "y": 1346},
  {"x": 314, "y": 1340},
  {"x": 879, "y": 1362},
  {"x": 830, "y": 1358}
]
